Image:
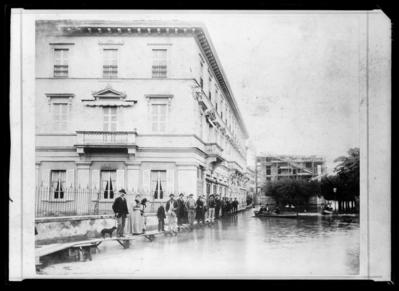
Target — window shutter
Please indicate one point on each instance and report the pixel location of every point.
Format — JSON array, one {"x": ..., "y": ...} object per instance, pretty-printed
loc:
[
  {"x": 146, "y": 182},
  {"x": 45, "y": 184},
  {"x": 120, "y": 179},
  {"x": 95, "y": 184},
  {"x": 70, "y": 184},
  {"x": 170, "y": 182}
]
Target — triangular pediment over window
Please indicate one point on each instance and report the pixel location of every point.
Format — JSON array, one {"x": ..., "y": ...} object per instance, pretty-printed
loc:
[{"x": 109, "y": 97}]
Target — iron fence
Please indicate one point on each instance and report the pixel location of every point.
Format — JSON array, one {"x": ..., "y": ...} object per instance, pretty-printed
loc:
[{"x": 50, "y": 202}]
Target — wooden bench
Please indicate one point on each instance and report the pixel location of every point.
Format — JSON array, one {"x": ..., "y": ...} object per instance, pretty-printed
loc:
[
  {"x": 83, "y": 247},
  {"x": 150, "y": 235}
]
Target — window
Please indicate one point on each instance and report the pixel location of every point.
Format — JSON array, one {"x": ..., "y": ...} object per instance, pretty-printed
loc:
[
  {"x": 110, "y": 121},
  {"x": 268, "y": 170},
  {"x": 209, "y": 88},
  {"x": 58, "y": 183},
  {"x": 158, "y": 114},
  {"x": 158, "y": 183},
  {"x": 61, "y": 62},
  {"x": 110, "y": 67},
  {"x": 202, "y": 75},
  {"x": 214, "y": 189},
  {"x": 60, "y": 116},
  {"x": 208, "y": 188},
  {"x": 108, "y": 182},
  {"x": 159, "y": 65}
]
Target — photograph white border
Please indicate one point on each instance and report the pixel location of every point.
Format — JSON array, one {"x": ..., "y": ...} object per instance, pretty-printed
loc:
[{"x": 375, "y": 140}]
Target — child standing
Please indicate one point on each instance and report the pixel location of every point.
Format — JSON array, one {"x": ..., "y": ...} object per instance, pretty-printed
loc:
[{"x": 161, "y": 218}]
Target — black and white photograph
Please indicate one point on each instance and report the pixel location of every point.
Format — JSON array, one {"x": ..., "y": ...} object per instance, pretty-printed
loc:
[{"x": 200, "y": 144}]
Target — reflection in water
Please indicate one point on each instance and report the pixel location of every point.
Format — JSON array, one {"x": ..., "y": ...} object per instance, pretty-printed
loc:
[{"x": 239, "y": 246}]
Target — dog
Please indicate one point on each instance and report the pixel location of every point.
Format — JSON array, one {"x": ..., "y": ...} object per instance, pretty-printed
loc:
[
  {"x": 85, "y": 253},
  {"x": 107, "y": 231}
]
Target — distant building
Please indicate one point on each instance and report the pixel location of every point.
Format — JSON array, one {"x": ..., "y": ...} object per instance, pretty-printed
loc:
[{"x": 277, "y": 167}]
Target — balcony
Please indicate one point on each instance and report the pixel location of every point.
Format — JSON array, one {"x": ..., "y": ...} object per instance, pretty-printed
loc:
[
  {"x": 214, "y": 152},
  {"x": 106, "y": 140},
  {"x": 233, "y": 165}
]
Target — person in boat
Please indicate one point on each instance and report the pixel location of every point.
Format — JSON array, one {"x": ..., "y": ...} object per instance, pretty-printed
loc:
[
  {"x": 264, "y": 208},
  {"x": 277, "y": 210}
]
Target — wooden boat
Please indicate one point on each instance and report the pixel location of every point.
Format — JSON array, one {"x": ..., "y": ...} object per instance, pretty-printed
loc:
[
  {"x": 280, "y": 215},
  {"x": 326, "y": 212}
]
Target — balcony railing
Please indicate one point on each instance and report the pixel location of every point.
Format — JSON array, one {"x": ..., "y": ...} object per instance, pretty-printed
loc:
[
  {"x": 213, "y": 149},
  {"x": 106, "y": 139}
]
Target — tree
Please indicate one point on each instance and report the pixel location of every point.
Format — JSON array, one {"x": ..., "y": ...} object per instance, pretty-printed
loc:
[
  {"x": 348, "y": 174},
  {"x": 289, "y": 191}
]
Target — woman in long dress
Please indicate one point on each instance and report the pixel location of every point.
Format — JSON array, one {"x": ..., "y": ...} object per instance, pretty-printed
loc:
[{"x": 135, "y": 221}]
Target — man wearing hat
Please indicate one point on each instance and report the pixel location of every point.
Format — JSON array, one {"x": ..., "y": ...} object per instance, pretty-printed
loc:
[
  {"x": 211, "y": 208},
  {"x": 181, "y": 209},
  {"x": 171, "y": 208},
  {"x": 191, "y": 205},
  {"x": 200, "y": 209},
  {"x": 120, "y": 209}
]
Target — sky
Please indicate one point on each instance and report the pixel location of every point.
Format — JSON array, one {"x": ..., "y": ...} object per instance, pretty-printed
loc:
[{"x": 295, "y": 76}]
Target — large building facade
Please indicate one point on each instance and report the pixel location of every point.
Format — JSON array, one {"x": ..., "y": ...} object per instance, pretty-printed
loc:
[
  {"x": 271, "y": 168},
  {"x": 141, "y": 106}
]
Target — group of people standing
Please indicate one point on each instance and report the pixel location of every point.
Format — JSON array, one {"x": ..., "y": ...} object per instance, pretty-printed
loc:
[
  {"x": 136, "y": 224},
  {"x": 186, "y": 210},
  {"x": 176, "y": 211}
]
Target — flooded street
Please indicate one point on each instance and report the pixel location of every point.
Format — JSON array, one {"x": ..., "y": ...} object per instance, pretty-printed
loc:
[{"x": 238, "y": 246}]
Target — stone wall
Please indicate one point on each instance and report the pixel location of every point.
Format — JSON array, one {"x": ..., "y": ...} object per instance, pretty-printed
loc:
[{"x": 74, "y": 228}]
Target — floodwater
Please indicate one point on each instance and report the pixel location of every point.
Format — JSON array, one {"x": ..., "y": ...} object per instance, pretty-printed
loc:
[{"x": 239, "y": 246}]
